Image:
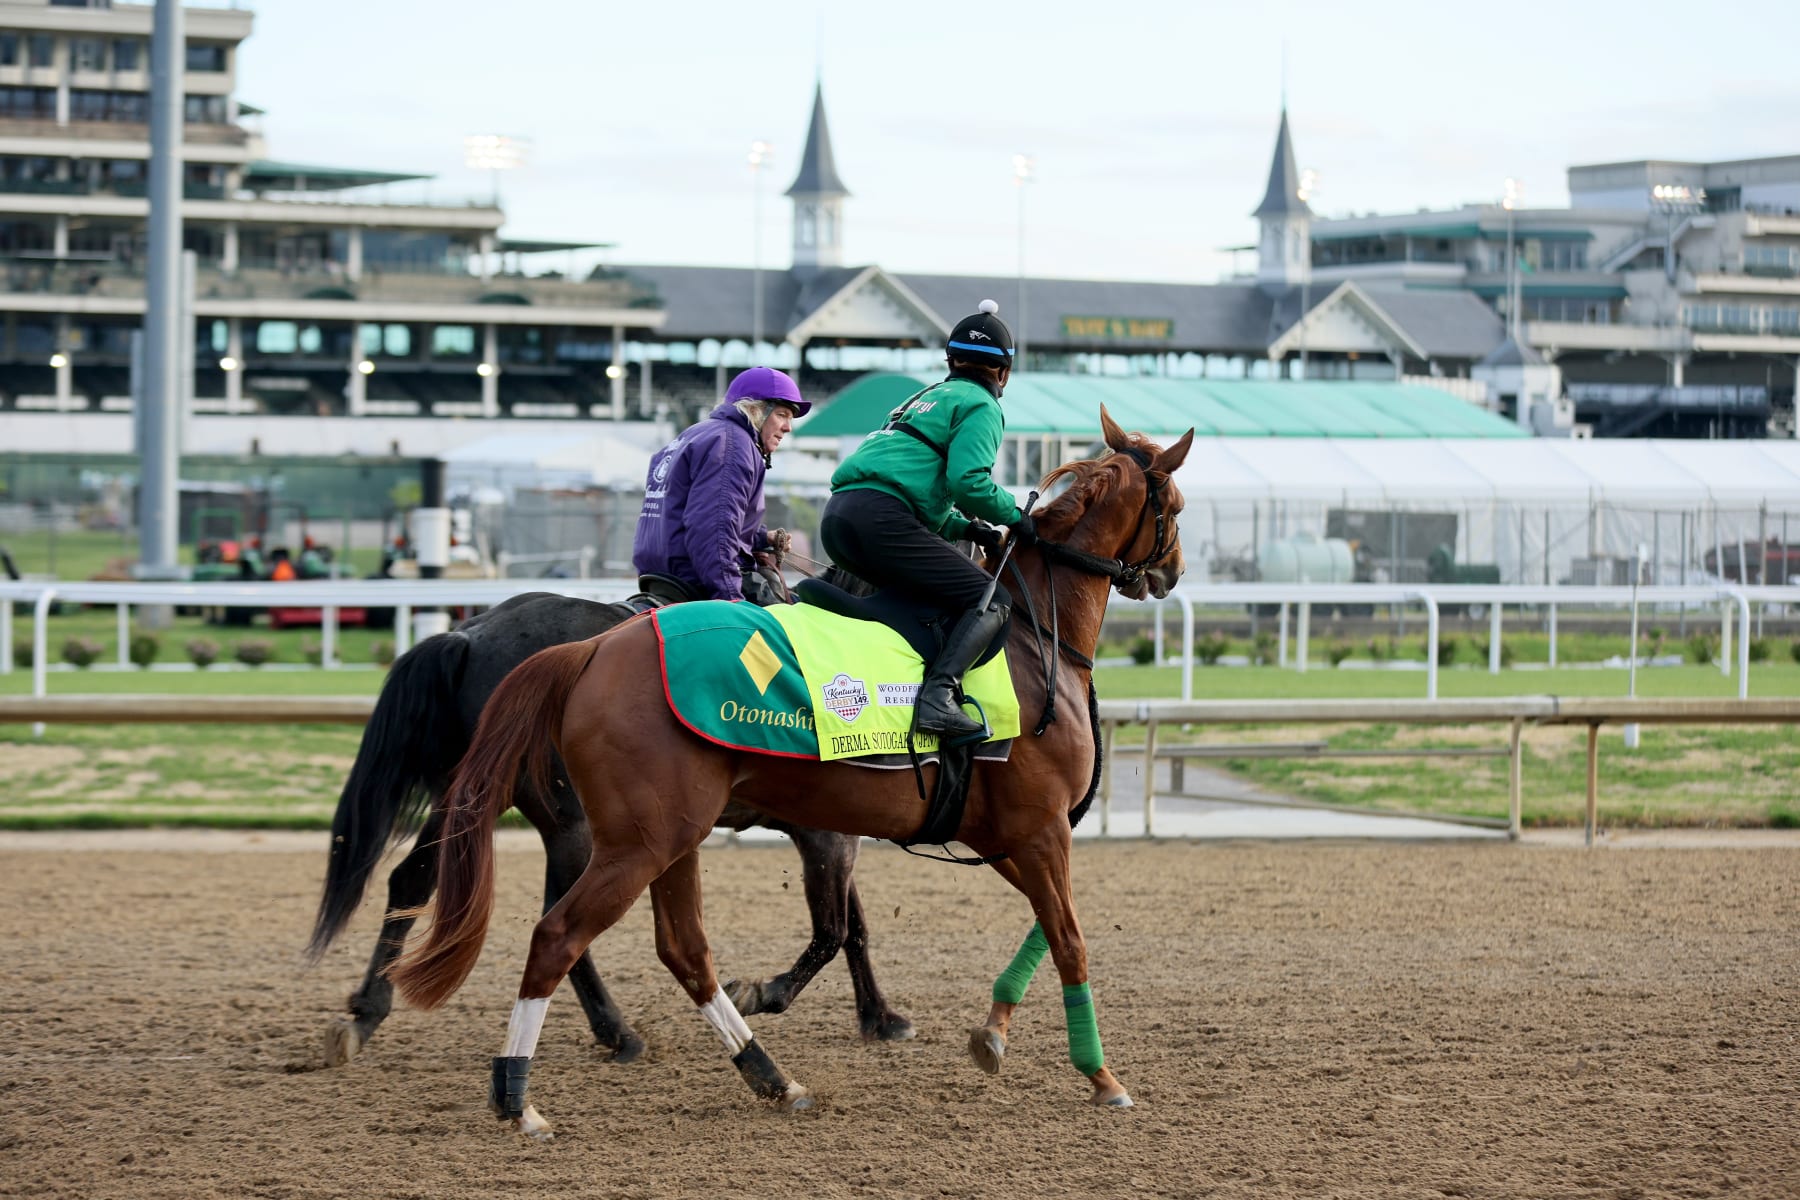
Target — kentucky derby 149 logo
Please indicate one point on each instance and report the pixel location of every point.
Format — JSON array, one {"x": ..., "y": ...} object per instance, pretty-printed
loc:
[{"x": 845, "y": 696}]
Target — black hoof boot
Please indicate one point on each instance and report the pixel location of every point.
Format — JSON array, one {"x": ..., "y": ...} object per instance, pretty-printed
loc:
[{"x": 506, "y": 1089}]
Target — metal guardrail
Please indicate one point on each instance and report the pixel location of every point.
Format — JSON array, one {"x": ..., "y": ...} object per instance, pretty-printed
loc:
[{"x": 1514, "y": 711}]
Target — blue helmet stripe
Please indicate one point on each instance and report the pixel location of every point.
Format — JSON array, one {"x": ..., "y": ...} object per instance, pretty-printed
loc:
[{"x": 983, "y": 349}]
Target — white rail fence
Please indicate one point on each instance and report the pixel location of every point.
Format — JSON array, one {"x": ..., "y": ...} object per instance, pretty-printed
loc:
[
  {"x": 1734, "y": 605},
  {"x": 1297, "y": 600}
]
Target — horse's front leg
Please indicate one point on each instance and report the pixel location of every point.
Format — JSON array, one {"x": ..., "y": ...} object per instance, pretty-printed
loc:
[{"x": 1041, "y": 871}]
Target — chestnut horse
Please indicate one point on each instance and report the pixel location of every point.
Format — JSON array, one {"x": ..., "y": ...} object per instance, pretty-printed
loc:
[{"x": 652, "y": 790}]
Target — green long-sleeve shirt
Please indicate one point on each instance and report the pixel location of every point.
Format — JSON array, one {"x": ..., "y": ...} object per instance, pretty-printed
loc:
[{"x": 962, "y": 422}]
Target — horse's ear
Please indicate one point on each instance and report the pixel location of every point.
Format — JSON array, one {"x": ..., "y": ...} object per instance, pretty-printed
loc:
[
  {"x": 1109, "y": 428},
  {"x": 1175, "y": 455}
]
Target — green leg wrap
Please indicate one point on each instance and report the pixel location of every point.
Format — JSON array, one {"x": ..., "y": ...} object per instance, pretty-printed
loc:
[
  {"x": 1084, "y": 1029},
  {"x": 1010, "y": 987}
]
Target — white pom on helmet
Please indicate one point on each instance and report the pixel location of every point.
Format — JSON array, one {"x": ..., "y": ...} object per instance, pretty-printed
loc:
[{"x": 989, "y": 306}]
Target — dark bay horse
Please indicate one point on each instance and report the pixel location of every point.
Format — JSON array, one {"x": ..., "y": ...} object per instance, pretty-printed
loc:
[
  {"x": 422, "y": 724},
  {"x": 652, "y": 790}
]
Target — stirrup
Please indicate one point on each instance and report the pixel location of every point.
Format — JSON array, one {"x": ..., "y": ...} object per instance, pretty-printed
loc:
[{"x": 986, "y": 731}]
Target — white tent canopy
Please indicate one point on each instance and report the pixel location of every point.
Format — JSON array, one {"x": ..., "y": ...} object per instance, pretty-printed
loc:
[
  {"x": 1538, "y": 509},
  {"x": 1627, "y": 473}
]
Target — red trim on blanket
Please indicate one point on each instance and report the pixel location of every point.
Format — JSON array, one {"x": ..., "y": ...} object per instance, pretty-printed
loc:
[{"x": 662, "y": 665}]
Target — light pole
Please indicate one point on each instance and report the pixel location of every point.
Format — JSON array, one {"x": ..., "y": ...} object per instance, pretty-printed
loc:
[
  {"x": 1309, "y": 187},
  {"x": 1023, "y": 167},
  {"x": 494, "y": 153},
  {"x": 759, "y": 156},
  {"x": 1673, "y": 198},
  {"x": 1510, "y": 201}
]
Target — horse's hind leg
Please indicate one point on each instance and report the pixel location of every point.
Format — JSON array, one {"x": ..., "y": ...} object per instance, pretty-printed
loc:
[
  {"x": 828, "y": 861},
  {"x": 615, "y": 877},
  {"x": 409, "y": 886},
  {"x": 567, "y": 848},
  {"x": 681, "y": 945}
]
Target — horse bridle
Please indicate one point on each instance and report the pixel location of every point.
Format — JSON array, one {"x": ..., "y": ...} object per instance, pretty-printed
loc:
[
  {"x": 1051, "y": 648},
  {"x": 1120, "y": 572}
]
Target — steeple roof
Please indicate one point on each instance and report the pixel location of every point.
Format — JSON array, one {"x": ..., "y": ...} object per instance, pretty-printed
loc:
[
  {"x": 1283, "y": 196},
  {"x": 818, "y": 169}
]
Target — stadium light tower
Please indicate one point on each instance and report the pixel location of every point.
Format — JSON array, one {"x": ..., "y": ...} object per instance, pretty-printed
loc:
[
  {"x": 760, "y": 152},
  {"x": 1024, "y": 171},
  {"x": 495, "y": 152},
  {"x": 1510, "y": 200}
]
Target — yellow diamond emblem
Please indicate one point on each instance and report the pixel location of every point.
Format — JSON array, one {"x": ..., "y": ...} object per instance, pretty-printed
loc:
[{"x": 760, "y": 661}]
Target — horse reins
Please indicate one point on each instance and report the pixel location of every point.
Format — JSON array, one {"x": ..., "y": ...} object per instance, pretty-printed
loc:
[{"x": 1120, "y": 573}]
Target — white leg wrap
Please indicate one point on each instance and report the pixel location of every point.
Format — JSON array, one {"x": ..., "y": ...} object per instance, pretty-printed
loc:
[
  {"x": 724, "y": 1017},
  {"x": 523, "y": 1029}
]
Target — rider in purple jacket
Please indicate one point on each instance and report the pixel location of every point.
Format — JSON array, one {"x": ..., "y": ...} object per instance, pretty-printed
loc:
[{"x": 703, "y": 501}]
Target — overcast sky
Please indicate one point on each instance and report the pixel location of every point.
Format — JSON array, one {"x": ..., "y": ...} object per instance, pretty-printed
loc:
[{"x": 1151, "y": 121}]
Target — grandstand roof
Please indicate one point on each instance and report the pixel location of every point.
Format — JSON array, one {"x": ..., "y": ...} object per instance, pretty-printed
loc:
[
  {"x": 1070, "y": 405},
  {"x": 1225, "y": 318},
  {"x": 268, "y": 175}
]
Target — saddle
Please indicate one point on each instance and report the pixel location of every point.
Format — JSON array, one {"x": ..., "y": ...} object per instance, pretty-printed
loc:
[
  {"x": 655, "y": 590},
  {"x": 924, "y": 629}
]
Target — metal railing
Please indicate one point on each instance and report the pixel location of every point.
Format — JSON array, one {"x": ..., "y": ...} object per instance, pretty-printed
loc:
[{"x": 1297, "y": 600}]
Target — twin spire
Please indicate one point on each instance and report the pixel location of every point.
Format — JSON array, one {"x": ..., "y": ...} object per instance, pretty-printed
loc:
[
  {"x": 818, "y": 195},
  {"x": 1284, "y": 248}
]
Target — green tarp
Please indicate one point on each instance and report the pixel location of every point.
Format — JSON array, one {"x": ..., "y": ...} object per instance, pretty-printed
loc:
[{"x": 1070, "y": 405}]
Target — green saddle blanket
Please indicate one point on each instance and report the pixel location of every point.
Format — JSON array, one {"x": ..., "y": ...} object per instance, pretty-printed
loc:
[{"x": 801, "y": 682}]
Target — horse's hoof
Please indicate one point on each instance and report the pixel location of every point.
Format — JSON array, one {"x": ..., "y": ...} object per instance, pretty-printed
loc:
[
  {"x": 342, "y": 1040},
  {"x": 745, "y": 994},
  {"x": 987, "y": 1048},
  {"x": 796, "y": 1099},
  {"x": 629, "y": 1050},
  {"x": 890, "y": 1027},
  {"x": 1121, "y": 1100},
  {"x": 531, "y": 1123}
]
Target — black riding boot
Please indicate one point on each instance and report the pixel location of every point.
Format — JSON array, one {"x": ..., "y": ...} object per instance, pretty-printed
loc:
[{"x": 936, "y": 710}]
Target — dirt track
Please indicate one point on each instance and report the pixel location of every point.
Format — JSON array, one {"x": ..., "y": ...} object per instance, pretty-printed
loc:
[{"x": 1308, "y": 1020}]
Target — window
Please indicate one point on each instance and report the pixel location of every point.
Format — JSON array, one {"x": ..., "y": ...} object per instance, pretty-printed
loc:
[
  {"x": 9, "y": 49},
  {"x": 205, "y": 110},
  {"x": 203, "y": 57},
  {"x": 277, "y": 337},
  {"x": 42, "y": 49},
  {"x": 88, "y": 105},
  {"x": 128, "y": 54},
  {"x": 453, "y": 341},
  {"x": 89, "y": 53}
]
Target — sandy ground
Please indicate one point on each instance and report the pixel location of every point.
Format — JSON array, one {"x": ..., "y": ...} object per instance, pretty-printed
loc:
[{"x": 1346, "y": 1020}]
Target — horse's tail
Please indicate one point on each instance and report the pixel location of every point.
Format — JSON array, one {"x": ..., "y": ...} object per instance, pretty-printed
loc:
[
  {"x": 516, "y": 732},
  {"x": 409, "y": 748}
]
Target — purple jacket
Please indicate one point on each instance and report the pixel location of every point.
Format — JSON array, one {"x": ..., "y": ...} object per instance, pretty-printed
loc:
[{"x": 703, "y": 506}]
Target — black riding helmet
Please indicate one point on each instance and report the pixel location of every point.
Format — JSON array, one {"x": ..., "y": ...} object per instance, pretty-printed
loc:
[{"x": 983, "y": 338}]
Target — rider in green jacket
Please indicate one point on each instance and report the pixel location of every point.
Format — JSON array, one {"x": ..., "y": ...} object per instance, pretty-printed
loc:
[{"x": 921, "y": 481}]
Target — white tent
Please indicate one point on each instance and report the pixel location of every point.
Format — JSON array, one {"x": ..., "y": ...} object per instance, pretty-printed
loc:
[{"x": 1539, "y": 509}]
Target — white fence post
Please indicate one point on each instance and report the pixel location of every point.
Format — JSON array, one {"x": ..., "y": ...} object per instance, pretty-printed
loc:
[
  {"x": 124, "y": 626},
  {"x": 1281, "y": 637},
  {"x": 1494, "y": 640},
  {"x": 1302, "y": 636}
]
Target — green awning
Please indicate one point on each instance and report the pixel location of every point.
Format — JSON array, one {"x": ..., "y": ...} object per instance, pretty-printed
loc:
[
  {"x": 1069, "y": 405},
  {"x": 268, "y": 175}
]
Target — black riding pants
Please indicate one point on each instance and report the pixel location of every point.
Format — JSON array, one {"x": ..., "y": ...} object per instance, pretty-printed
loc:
[{"x": 876, "y": 536}]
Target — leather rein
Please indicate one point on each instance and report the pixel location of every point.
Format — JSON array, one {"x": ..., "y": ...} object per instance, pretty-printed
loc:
[{"x": 1050, "y": 645}]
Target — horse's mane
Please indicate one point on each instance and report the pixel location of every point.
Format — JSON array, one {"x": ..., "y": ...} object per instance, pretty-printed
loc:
[{"x": 1090, "y": 481}]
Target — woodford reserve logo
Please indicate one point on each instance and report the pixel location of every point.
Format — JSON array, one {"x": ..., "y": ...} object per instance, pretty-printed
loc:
[{"x": 845, "y": 696}]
